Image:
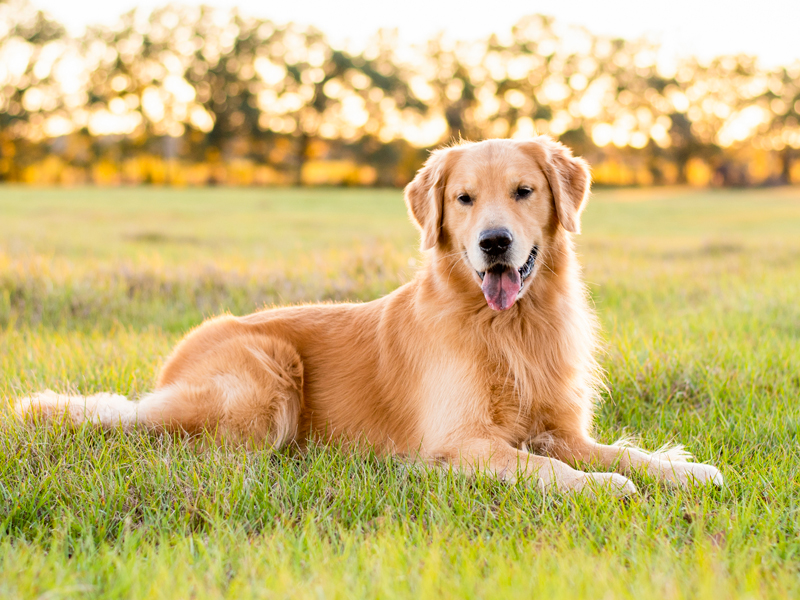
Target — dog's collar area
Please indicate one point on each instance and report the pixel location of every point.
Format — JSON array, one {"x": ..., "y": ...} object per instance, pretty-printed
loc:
[{"x": 524, "y": 271}]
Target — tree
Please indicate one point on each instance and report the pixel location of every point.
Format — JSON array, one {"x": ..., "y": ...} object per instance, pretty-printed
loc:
[{"x": 29, "y": 42}]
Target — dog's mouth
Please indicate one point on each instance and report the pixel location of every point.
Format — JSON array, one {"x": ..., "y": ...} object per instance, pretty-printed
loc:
[{"x": 502, "y": 284}]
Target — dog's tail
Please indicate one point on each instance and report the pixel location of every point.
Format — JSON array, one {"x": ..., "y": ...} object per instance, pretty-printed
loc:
[{"x": 105, "y": 410}]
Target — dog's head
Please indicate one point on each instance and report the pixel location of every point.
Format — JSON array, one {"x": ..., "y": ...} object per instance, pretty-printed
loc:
[{"x": 495, "y": 206}]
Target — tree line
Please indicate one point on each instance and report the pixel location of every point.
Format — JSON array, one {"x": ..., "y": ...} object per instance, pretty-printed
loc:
[{"x": 198, "y": 95}]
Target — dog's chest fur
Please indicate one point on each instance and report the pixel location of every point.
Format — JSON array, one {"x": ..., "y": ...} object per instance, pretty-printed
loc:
[
  {"x": 514, "y": 411},
  {"x": 531, "y": 391}
]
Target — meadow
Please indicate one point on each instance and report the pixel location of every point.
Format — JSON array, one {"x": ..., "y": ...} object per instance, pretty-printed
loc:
[{"x": 697, "y": 292}]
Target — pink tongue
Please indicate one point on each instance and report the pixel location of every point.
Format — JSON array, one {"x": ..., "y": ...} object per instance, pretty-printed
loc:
[{"x": 501, "y": 288}]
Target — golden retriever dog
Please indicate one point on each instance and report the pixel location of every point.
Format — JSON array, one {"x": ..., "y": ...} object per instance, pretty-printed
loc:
[{"x": 484, "y": 362}]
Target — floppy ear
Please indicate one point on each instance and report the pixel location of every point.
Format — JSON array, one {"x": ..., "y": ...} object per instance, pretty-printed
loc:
[
  {"x": 570, "y": 180},
  {"x": 425, "y": 198}
]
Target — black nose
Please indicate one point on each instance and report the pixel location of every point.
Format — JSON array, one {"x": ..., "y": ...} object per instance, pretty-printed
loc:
[{"x": 495, "y": 241}]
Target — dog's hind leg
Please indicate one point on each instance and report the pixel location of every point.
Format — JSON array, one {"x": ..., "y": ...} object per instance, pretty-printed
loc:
[{"x": 245, "y": 389}]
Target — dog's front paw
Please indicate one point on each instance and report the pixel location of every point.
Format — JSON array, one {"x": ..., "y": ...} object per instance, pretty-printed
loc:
[{"x": 686, "y": 474}]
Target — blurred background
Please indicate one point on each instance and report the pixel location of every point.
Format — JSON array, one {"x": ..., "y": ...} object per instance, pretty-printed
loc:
[{"x": 348, "y": 94}]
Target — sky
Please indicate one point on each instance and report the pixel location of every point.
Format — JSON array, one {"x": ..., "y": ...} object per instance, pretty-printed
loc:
[{"x": 706, "y": 28}]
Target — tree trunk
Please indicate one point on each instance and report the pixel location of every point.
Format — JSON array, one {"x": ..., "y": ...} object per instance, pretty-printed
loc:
[
  {"x": 300, "y": 158},
  {"x": 786, "y": 165}
]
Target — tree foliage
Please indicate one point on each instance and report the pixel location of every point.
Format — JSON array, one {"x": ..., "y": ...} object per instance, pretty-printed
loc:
[{"x": 201, "y": 95}]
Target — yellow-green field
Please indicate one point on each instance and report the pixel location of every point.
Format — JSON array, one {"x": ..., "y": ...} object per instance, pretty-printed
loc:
[{"x": 698, "y": 295}]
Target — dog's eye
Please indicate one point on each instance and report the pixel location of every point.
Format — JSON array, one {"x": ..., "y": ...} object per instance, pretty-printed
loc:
[
  {"x": 465, "y": 199},
  {"x": 523, "y": 192}
]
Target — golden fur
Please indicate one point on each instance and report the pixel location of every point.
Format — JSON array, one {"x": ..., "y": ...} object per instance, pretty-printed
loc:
[{"x": 429, "y": 371}]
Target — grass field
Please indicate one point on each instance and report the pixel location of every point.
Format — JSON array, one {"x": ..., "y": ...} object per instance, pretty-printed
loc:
[{"x": 698, "y": 295}]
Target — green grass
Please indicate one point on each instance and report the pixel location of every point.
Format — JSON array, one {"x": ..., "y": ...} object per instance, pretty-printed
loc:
[{"x": 697, "y": 293}]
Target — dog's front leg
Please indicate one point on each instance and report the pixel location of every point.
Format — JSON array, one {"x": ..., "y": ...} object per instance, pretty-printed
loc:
[
  {"x": 502, "y": 460},
  {"x": 671, "y": 466}
]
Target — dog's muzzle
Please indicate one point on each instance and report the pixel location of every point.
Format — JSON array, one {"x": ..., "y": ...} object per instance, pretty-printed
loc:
[{"x": 524, "y": 271}]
